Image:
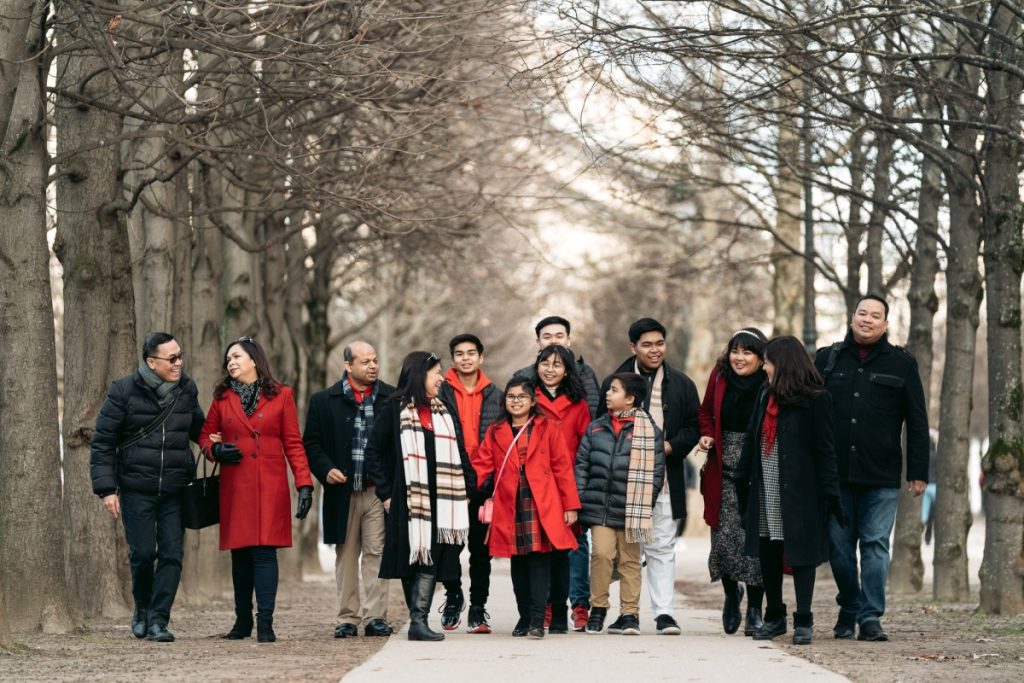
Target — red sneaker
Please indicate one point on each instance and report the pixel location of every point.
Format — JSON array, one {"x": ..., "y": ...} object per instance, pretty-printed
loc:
[
  {"x": 580, "y": 614},
  {"x": 547, "y": 616}
]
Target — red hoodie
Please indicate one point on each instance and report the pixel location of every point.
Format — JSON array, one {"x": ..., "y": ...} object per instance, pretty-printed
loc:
[{"x": 469, "y": 404}]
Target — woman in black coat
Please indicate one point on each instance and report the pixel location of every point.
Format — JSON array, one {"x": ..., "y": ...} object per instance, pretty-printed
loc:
[
  {"x": 788, "y": 484},
  {"x": 417, "y": 460}
]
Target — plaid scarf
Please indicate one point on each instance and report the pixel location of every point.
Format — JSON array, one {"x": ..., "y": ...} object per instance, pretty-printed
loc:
[
  {"x": 361, "y": 428},
  {"x": 452, "y": 509},
  {"x": 640, "y": 479}
]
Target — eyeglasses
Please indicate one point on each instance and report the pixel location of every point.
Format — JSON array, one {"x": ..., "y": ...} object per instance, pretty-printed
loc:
[
  {"x": 517, "y": 398},
  {"x": 173, "y": 360}
]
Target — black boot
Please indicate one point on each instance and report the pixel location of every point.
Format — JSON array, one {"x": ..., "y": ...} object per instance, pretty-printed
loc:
[
  {"x": 803, "y": 628},
  {"x": 559, "y": 619},
  {"x": 753, "y": 622},
  {"x": 265, "y": 630},
  {"x": 774, "y": 623},
  {"x": 140, "y": 622},
  {"x": 242, "y": 627},
  {"x": 731, "y": 615},
  {"x": 421, "y": 595}
]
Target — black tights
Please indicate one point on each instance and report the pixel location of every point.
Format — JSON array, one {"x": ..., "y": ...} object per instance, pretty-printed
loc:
[
  {"x": 771, "y": 571},
  {"x": 531, "y": 581},
  {"x": 755, "y": 594}
]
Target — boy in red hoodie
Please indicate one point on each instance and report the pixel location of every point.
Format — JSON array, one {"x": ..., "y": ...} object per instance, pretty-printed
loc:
[{"x": 478, "y": 402}]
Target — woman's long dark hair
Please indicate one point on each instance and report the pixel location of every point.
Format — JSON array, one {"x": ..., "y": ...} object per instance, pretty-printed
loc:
[
  {"x": 529, "y": 387},
  {"x": 413, "y": 378},
  {"x": 268, "y": 385},
  {"x": 748, "y": 339},
  {"x": 572, "y": 383},
  {"x": 795, "y": 378}
]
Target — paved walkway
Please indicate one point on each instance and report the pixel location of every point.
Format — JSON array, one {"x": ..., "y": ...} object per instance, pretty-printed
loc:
[{"x": 702, "y": 653}]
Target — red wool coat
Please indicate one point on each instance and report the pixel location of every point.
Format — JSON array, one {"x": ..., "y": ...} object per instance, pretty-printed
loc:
[
  {"x": 255, "y": 504},
  {"x": 571, "y": 418},
  {"x": 709, "y": 415},
  {"x": 550, "y": 474}
]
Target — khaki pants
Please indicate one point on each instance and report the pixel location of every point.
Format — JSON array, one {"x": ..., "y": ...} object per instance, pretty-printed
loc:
[
  {"x": 364, "y": 535},
  {"x": 606, "y": 545}
]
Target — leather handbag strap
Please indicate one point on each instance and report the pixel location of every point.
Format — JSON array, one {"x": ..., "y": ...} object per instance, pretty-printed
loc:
[{"x": 509, "y": 451}]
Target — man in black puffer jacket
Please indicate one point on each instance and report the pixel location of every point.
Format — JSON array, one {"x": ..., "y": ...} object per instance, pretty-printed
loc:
[{"x": 140, "y": 461}]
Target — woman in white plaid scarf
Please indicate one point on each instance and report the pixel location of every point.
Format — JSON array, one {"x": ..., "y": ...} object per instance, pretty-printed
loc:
[{"x": 417, "y": 460}]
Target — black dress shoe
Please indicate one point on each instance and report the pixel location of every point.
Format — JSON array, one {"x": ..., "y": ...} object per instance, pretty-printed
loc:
[
  {"x": 753, "y": 622},
  {"x": 731, "y": 615},
  {"x": 521, "y": 629},
  {"x": 872, "y": 631},
  {"x": 158, "y": 633},
  {"x": 845, "y": 627},
  {"x": 378, "y": 627},
  {"x": 139, "y": 623},
  {"x": 346, "y": 631}
]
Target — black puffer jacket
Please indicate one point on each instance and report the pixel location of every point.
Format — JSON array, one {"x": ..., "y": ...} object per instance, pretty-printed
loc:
[
  {"x": 160, "y": 463},
  {"x": 602, "y": 468}
]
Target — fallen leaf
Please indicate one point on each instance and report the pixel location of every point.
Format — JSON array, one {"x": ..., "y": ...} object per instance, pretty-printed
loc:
[
  {"x": 975, "y": 655},
  {"x": 983, "y": 640}
]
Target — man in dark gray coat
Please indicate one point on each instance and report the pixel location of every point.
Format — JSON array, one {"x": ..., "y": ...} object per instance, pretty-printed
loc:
[
  {"x": 556, "y": 330},
  {"x": 140, "y": 460}
]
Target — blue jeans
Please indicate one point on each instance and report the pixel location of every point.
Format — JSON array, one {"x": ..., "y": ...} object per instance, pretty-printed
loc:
[
  {"x": 579, "y": 572},
  {"x": 871, "y": 513}
]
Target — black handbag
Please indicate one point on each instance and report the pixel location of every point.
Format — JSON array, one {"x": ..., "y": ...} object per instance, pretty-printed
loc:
[{"x": 200, "y": 499}]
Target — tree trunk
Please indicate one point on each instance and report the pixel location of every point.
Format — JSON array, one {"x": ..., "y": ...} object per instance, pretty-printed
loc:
[
  {"x": 964, "y": 294},
  {"x": 6, "y": 639},
  {"x": 31, "y": 530},
  {"x": 787, "y": 279},
  {"x": 1002, "y": 569},
  {"x": 99, "y": 317},
  {"x": 906, "y": 572}
]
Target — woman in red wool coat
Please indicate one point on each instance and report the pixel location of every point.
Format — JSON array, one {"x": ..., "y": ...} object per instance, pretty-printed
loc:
[
  {"x": 252, "y": 429},
  {"x": 524, "y": 458}
]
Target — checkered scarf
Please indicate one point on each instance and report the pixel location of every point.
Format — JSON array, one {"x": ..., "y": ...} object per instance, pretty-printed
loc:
[
  {"x": 361, "y": 428},
  {"x": 640, "y": 479},
  {"x": 452, "y": 509}
]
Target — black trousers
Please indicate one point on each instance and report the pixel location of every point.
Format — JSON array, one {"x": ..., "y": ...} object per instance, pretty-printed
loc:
[
  {"x": 479, "y": 562},
  {"x": 558, "y": 595},
  {"x": 531, "y": 580},
  {"x": 156, "y": 546},
  {"x": 254, "y": 570},
  {"x": 770, "y": 553}
]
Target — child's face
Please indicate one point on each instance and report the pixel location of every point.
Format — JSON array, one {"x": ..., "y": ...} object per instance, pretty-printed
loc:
[{"x": 616, "y": 398}]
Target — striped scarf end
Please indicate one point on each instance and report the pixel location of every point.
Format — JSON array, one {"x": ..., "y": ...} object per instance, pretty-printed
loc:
[
  {"x": 453, "y": 536},
  {"x": 639, "y": 535},
  {"x": 421, "y": 556}
]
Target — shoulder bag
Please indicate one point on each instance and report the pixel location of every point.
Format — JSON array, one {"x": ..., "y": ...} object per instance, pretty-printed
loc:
[{"x": 200, "y": 499}]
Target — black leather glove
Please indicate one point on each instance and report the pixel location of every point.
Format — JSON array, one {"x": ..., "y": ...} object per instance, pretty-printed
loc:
[
  {"x": 305, "y": 501},
  {"x": 226, "y": 453},
  {"x": 835, "y": 508}
]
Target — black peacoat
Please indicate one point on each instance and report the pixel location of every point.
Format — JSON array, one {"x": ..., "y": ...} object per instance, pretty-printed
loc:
[
  {"x": 385, "y": 467},
  {"x": 328, "y": 442},
  {"x": 807, "y": 477}
]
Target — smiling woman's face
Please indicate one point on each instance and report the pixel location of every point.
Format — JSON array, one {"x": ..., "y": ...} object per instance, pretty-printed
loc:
[{"x": 241, "y": 366}]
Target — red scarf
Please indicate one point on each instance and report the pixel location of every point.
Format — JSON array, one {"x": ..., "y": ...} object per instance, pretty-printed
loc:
[{"x": 769, "y": 425}]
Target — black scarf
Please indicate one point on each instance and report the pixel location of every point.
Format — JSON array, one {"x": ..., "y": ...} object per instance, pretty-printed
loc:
[
  {"x": 249, "y": 394},
  {"x": 738, "y": 402}
]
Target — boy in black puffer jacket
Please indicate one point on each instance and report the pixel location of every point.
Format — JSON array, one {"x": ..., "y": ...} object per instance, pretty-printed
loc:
[{"x": 620, "y": 467}]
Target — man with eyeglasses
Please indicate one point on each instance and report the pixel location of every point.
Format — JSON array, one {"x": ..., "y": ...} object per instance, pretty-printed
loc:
[{"x": 140, "y": 461}]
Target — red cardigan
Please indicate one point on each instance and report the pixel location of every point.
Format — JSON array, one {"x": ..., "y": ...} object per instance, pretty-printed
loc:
[
  {"x": 255, "y": 504},
  {"x": 550, "y": 474},
  {"x": 709, "y": 415}
]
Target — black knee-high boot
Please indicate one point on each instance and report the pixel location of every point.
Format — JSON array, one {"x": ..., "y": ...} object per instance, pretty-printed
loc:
[
  {"x": 421, "y": 597},
  {"x": 242, "y": 582}
]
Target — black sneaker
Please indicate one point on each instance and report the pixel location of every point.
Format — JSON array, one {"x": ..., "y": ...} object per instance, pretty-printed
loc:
[
  {"x": 451, "y": 612},
  {"x": 630, "y": 625},
  {"x": 477, "y": 620},
  {"x": 595, "y": 623},
  {"x": 615, "y": 628},
  {"x": 667, "y": 626},
  {"x": 872, "y": 631}
]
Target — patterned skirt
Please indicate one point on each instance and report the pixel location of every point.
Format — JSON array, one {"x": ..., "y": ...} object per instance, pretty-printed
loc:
[
  {"x": 530, "y": 537},
  {"x": 770, "y": 523},
  {"x": 728, "y": 557}
]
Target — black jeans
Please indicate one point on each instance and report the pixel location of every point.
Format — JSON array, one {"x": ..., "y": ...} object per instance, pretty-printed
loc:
[
  {"x": 156, "y": 545},
  {"x": 479, "y": 562},
  {"x": 771, "y": 571},
  {"x": 531, "y": 580},
  {"x": 254, "y": 569}
]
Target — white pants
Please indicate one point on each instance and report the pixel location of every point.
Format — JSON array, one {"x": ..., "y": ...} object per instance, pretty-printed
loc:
[{"x": 661, "y": 558}]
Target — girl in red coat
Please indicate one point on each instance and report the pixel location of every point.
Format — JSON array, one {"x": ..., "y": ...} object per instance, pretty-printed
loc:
[
  {"x": 525, "y": 460},
  {"x": 252, "y": 428},
  {"x": 562, "y": 398}
]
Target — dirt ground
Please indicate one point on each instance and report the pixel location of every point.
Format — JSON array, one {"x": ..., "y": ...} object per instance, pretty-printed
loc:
[
  {"x": 306, "y": 649},
  {"x": 927, "y": 641}
]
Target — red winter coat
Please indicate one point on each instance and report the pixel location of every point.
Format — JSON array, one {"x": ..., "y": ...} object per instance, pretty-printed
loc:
[
  {"x": 549, "y": 472},
  {"x": 571, "y": 418},
  {"x": 255, "y": 504},
  {"x": 709, "y": 415}
]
